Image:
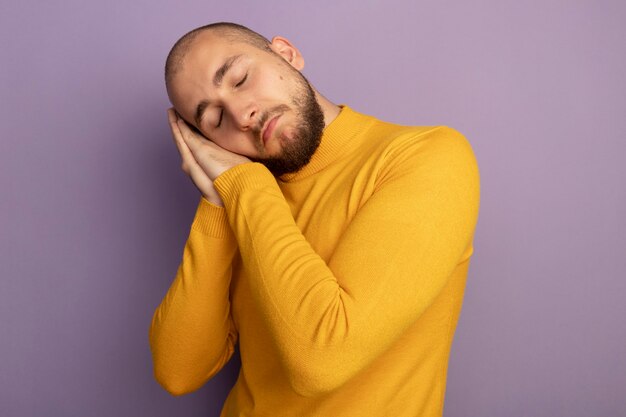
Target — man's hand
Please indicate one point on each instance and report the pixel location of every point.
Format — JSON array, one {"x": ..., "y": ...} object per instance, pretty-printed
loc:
[{"x": 202, "y": 160}]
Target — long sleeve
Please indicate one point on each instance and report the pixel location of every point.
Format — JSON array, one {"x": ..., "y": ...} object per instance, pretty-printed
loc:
[
  {"x": 330, "y": 320},
  {"x": 192, "y": 335}
]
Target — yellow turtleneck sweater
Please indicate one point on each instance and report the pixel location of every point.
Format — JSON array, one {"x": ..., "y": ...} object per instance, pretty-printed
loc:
[{"x": 342, "y": 283}]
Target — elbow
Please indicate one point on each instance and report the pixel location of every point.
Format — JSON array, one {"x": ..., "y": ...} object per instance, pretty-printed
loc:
[
  {"x": 174, "y": 389},
  {"x": 167, "y": 377},
  {"x": 180, "y": 377},
  {"x": 172, "y": 378},
  {"x": 174, "y": 385}
]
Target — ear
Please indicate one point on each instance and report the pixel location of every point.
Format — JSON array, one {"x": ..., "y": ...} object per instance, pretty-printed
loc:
[{"x": 288, "y": 52}]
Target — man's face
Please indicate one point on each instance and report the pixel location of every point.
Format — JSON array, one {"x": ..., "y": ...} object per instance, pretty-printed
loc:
[{"x": 248, "y": 101}]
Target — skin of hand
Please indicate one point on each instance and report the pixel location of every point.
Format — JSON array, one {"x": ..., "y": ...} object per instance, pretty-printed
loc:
[{"x": 202, "y": 160}]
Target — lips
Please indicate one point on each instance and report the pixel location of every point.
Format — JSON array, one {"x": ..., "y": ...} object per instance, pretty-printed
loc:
[{"x": 269, "y": 129}]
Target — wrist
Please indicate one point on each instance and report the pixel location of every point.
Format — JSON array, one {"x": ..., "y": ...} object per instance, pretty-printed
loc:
[{"x": 215, "y": 200}]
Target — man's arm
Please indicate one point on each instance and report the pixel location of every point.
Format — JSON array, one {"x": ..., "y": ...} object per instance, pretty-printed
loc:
[
  {"x": 192, "y": 335},
  {"x": 331, "y": 320}
]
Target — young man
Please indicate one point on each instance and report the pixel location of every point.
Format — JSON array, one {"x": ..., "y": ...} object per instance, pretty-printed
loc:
[{"x": 332, "y": 246}]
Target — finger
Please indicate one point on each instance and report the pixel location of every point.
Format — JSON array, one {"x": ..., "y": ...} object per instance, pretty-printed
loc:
[
  {"x": 176, "y": 135},
  {"x": 183, "y": 149},
  {"x": 171, "y": 118},
  {"x": 189, "y": 164},
  {"x": 171, "y": 114},
  {"x": 191, "y": 167},
  {"x": 192, "y": 139}
]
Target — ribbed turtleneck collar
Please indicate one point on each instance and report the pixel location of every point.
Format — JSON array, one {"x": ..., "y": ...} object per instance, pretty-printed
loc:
[{"x": 337, "y": 138}]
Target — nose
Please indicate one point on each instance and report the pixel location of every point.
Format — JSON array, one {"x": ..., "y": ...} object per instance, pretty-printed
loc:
[{"x": 245, "y": 114}]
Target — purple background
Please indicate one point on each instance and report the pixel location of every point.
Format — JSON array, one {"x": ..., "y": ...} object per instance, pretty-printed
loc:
[{"x": 95, "y": 209}]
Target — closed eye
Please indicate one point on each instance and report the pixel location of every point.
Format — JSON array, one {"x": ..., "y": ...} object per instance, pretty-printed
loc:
[
  {"x": 239, "y": 84},
  {"x": 243, "y": 80},
  {"x": 219, "y": 122}
]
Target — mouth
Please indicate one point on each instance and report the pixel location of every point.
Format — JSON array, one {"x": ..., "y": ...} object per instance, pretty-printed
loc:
[{"x": 269, "y": 129}]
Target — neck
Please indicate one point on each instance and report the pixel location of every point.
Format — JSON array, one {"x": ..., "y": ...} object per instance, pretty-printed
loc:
[{"x": 330, "y": 110}]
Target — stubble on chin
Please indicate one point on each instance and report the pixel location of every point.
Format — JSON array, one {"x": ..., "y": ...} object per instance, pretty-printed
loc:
[{"x": 298, "y": 142}]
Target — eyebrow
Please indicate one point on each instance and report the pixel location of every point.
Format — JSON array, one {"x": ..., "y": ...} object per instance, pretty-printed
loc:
[
  {"x": 200, "y": 111},
  {"x": 217, "y": 80},
  {"x": 221, "y": 72}
]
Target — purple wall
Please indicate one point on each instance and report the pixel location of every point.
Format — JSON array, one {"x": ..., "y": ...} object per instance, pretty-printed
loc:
[{"x": 95, "y": 209}]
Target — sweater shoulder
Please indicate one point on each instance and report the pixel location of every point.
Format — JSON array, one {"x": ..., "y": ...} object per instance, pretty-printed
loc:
[
  {"x": 398, "y": 146},
  {"x": 405, "y": 138}
]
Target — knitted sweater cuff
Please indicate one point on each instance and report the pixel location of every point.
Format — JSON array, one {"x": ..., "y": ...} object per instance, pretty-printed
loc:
[{"x": 211, "y": 219}]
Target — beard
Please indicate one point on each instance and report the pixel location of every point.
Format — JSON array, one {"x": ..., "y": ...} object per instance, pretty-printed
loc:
[{"x": 296, "y": 152}]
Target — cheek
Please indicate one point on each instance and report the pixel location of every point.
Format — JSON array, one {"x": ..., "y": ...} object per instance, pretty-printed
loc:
[
  {"x": 275, "y": 86},
  {"x": 276, "y": 83}
]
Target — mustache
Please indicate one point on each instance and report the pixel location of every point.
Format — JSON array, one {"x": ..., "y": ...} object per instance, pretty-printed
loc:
[{"x": 267, "y": 115}]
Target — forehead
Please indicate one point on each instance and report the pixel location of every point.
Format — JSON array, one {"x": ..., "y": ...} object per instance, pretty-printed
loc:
[
  {"x": 206, "y": 53},
  {"x": 209, "y": 50}
]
